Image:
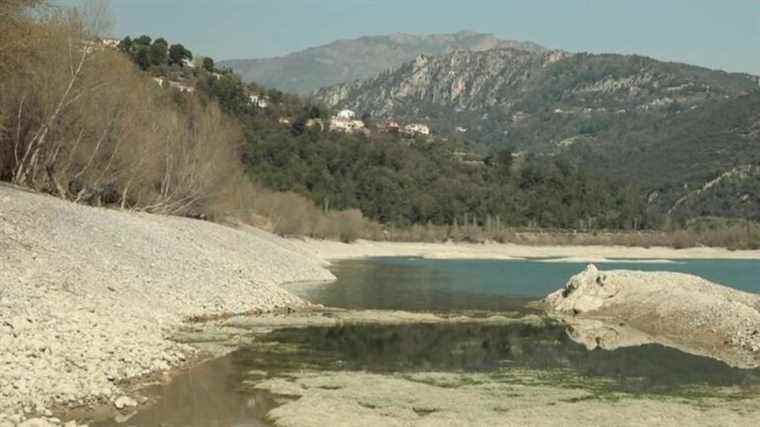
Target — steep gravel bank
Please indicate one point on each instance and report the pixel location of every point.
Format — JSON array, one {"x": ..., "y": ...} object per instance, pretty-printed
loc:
[
  {"x": 619, "y": 308},
  {"x": 88, "y": 296}
]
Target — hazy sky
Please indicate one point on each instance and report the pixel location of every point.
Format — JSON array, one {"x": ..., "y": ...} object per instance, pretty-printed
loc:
[{"x": 715, "y": 33}]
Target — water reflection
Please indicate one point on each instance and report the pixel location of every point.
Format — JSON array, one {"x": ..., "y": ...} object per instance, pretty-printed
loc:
[
  {"x": 223, "y": 392},
  {"x": 648, "y": 368}
]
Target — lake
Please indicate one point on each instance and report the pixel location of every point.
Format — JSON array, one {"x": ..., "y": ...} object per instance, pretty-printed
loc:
[{"x": 419, "y": 284}]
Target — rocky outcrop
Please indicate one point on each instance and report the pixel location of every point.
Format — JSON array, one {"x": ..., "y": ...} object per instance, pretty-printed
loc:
[
  {"x": 344, "y": 61},
  {"x": 678, "y": 310},
  {"x": 518, "y": 81}
]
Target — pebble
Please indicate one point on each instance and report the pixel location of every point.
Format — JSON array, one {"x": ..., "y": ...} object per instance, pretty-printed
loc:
[
  {"x": 83, "y": 314},
  {"x": 124, "y": 402}
]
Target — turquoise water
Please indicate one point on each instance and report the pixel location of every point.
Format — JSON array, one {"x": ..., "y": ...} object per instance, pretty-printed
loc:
[{"x": 442, "y": 285}]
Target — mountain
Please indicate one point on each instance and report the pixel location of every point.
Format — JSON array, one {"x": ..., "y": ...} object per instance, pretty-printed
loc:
[
  {"x": 672, "y": 128},
  {"x": 348, "y": 60}
]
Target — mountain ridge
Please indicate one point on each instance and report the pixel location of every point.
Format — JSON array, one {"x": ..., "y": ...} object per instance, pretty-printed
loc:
[{"x": 347, "y": 60}]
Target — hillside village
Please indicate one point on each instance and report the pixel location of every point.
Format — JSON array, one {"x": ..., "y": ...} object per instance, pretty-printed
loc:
[{"x": 184, "y": 76}]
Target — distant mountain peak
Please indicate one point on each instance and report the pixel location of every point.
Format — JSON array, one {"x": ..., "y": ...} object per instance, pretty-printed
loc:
[{"x": 348, "y": 60}]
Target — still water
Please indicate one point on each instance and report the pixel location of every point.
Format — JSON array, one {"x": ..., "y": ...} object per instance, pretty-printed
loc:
[
  {"x": 440, "y": 285},
  {"x": 223, "y": 392}
]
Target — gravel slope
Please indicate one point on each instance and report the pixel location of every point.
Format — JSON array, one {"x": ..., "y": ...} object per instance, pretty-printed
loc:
[{"x": 89, "y": 295}]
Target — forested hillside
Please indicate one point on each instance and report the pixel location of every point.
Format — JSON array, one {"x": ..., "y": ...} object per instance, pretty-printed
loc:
[{"x": 669, "y": 128}]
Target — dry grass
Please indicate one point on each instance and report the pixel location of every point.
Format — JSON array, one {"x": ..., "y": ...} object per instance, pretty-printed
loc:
[
  {"x": 290, "y": 214},
  {"x": 82, "y": 123}
]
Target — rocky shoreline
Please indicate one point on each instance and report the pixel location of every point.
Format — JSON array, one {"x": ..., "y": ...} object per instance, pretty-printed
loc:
[
  {"x": 92, "y": 299},
  {"x": 90, "y": 296}
]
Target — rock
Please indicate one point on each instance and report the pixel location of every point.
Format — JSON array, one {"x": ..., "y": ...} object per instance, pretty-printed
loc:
[
  {"x": 124, "y": 402},
  {"x": 673, "y": 309},
  {"x": 583, "y": 293}
]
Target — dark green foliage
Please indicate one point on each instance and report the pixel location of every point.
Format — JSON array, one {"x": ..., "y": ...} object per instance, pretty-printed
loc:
[
  {"x": 178, "y": 53},
  {"x": 147, "y": 53},
  {"x": 208, "y": 64},
  {"x": 158, "y": 52},
  {"x": 400, "y": 183},
  {"x": 229, "y": 91}
]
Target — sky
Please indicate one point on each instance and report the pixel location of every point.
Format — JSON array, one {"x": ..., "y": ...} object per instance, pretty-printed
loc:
[{"x": 722, "y": 34}]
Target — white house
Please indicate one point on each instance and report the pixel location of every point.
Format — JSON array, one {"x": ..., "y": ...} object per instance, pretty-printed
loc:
[
  {"x": 181, "y": 87},
  {"x": 111, "y": 43},
  {"x": 259, "y": 101},
  {"x": 346, "y": 115},
  {"x": 416, "y": 129},
  {"x": 345, "y": 125}
]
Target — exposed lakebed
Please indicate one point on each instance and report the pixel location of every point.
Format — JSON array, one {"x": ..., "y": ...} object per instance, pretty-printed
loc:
[{"x": 526, "y": 358}]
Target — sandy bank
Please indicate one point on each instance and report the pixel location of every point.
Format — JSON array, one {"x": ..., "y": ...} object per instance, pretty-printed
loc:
[
  {"x": 89, "y": 296},
  {"x": 362, "y": 249}
]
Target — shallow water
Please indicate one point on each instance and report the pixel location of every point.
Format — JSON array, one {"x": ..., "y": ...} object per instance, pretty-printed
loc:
[
  {"x": 439, "y": 285},
  {"x": 223, "y": 392}
]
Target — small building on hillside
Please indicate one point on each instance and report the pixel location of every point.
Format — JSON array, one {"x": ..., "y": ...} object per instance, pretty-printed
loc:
[
  {"x": 414, "y": 129},
  {"x": 346, "y": 115},
  {"x": 345, "y": 125},
  {"x": 110, "y": 43},
  {"x": 259, "y": 101},
  {"x": 181, "y": 87}
]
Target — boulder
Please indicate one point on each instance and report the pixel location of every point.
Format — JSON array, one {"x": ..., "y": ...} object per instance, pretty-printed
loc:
[
  {"x": 124, "y": 402},
  {"x": 673, "y": 309}
]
